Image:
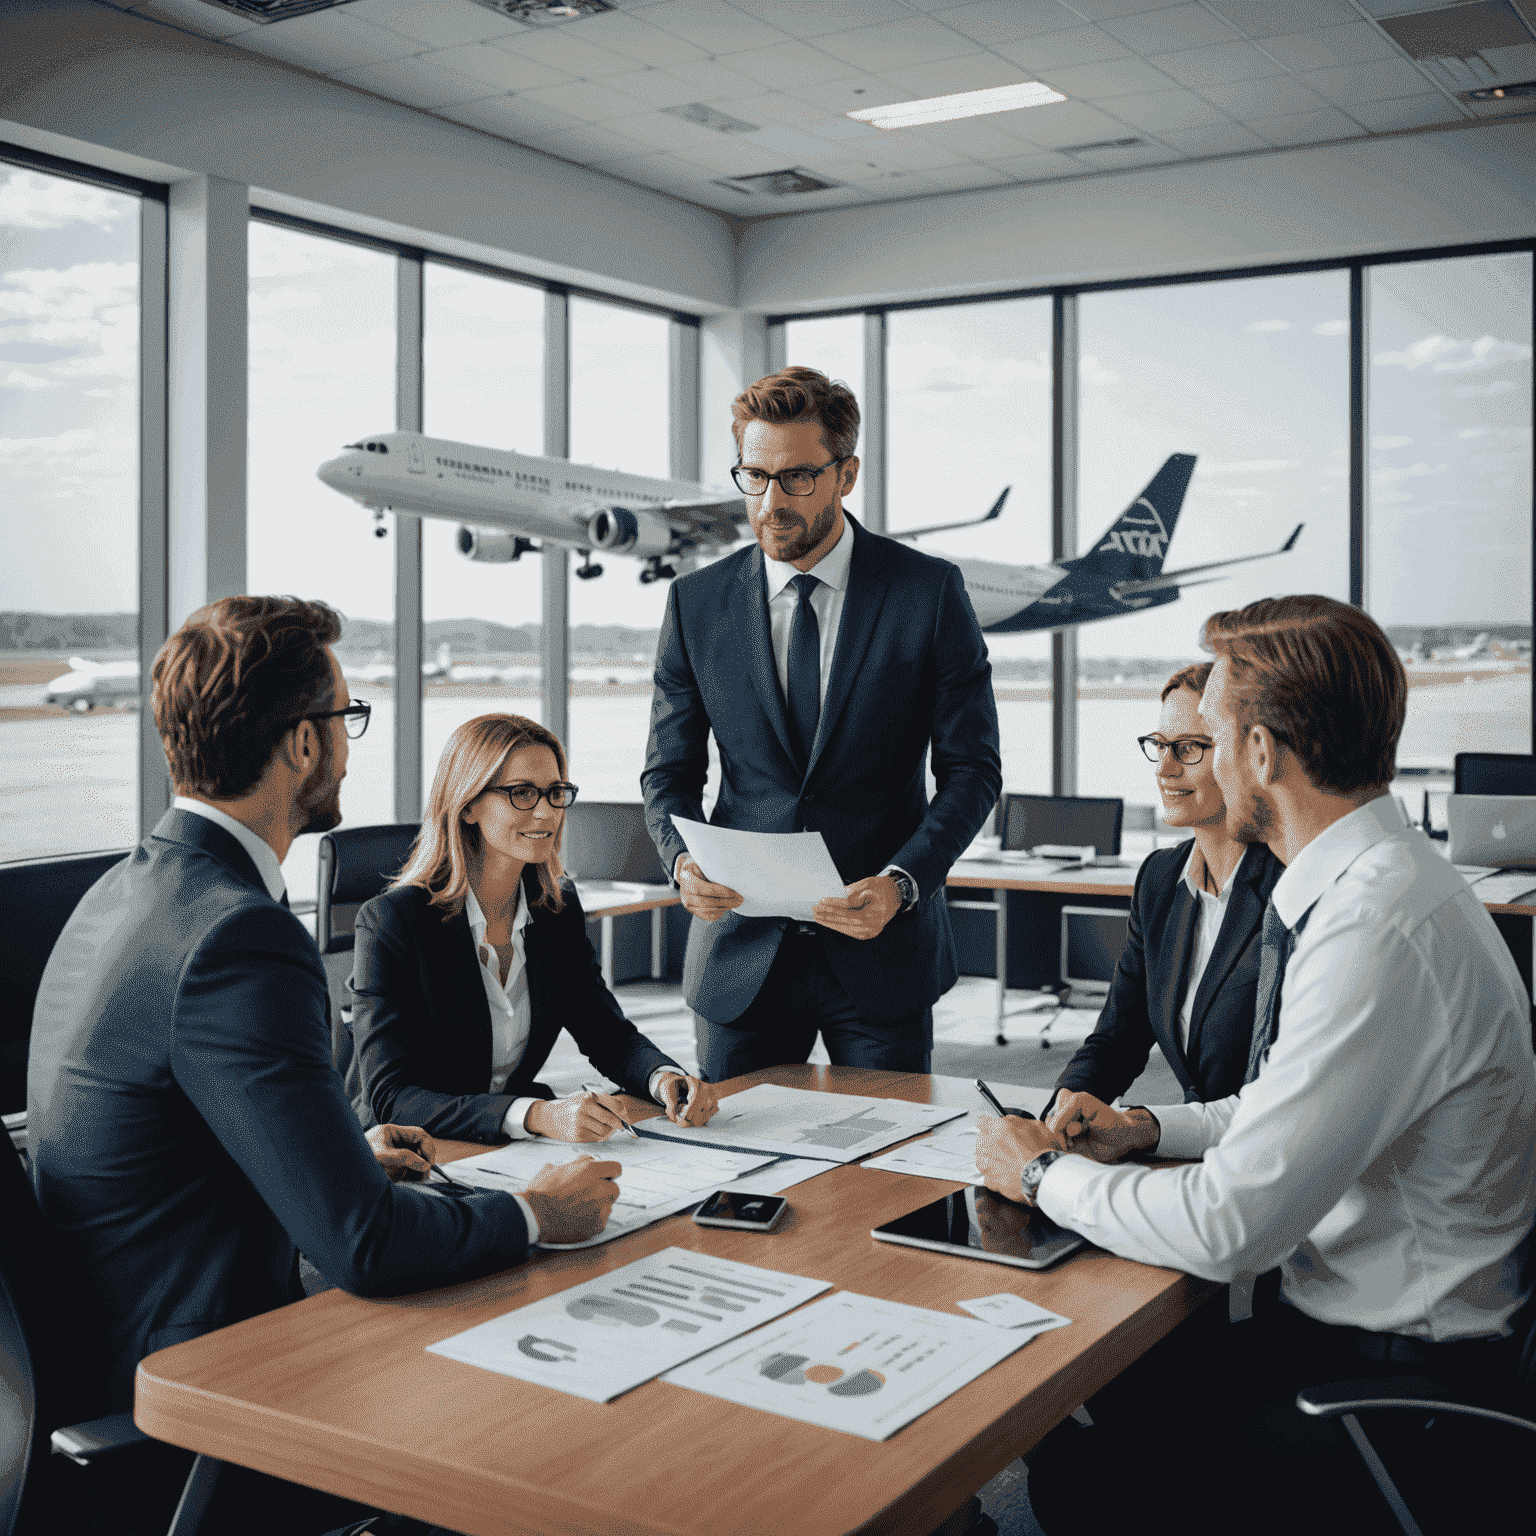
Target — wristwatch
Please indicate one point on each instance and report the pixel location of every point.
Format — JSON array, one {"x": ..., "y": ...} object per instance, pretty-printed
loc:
[
  {"x": 907, "y": 887},
  {"x": 1033, "y": 1172}
]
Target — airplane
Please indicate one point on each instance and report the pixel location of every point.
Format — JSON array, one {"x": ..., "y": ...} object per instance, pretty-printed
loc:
[
  {"x": 89, "y": 683},
  {"x": 383, "y": 671},
  {"x": 506, "y": 501},
  {"x": 1478, "y": 647}
]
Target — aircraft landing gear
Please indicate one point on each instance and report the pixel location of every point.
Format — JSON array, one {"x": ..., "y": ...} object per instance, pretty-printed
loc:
[
  {"x": 656, "y": 571},
  {"x": 379, "y": 530},
  {"x": 586, "y": 570}
]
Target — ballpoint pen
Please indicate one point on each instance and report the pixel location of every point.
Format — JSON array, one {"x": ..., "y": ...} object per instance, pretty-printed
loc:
[
  {"x": 987, "y": 1094},
  {"x": 596, "y": 1088}
]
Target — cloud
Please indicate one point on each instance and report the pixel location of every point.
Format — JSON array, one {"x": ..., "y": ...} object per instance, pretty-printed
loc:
[
  {"x": 1467, "y": 433},
  {"x": 1478, "y": 391},
  {"x": 286, "y": 253},
  {"x": 1389, "y": 473},
  {"x": 931, "y": 368},
  {"x": 1331, "y": 328},
  {"x": 30, "y": 201},
  {"x": 19, "y": 378},
  {"x": 1390, "y": 442},
  {"x": 1091, "y": 371},
  {"x": 1446, "y": 354},
  {"x": 1262, "y": 327},
  {"x": 86, "y": 315},
  {"x": 1250, "y": 467}
]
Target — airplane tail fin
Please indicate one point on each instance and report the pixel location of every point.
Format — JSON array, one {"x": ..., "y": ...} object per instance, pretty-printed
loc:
[
  {"x": 1134, "y": 545},
  {"x": 445, "y": 656}
]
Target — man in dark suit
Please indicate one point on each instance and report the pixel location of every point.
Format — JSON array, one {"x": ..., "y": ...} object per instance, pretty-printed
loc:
[
  {"x": 828, "y": 662},
  {"x": 188, "y": 1132}
]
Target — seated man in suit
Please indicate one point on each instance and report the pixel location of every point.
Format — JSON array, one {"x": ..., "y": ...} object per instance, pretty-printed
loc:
[
  {"x": 187, "y": 1129},
  {"x": 1186, "y": 979}
]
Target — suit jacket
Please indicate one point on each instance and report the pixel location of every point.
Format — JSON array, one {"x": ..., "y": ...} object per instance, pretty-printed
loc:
[
  {"x": 421, "y": 1024},
  {"x": 186, "y": 1127},
  {"x": 1147, "y": 992},
  {"x": 909, "y": 676}
]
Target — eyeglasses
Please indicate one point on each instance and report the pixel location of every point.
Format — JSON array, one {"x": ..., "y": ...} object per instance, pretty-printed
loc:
[
  {"x": 796, "y": 482},
  {"x": 526, "y": 796},
  {"x": 1184, "y": 750},
  {"x": 356, "y": 714}
]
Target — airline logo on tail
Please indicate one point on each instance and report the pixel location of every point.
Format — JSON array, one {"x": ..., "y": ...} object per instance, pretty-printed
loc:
[{"x": 1135, "y": 534}]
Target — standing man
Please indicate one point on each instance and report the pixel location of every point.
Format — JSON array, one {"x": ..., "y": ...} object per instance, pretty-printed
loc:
[
  {"x": 1382, "y": 1149},
  {"x": 828, "y": 662}
]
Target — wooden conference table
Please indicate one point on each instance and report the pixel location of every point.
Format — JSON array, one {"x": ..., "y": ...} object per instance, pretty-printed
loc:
[{"x": 339, "y": 1393}]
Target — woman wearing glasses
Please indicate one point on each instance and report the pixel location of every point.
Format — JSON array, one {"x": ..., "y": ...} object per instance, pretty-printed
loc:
[
  {"x": 1186, "y": 978},
  {"x": 468, "y": 967}
]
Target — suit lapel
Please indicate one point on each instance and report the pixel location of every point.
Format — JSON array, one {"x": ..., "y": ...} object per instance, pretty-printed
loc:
[
  {"x": 749, "y": 611},
  {"x": 1181, "y": 927},
  {"x": 861, "y": 611},
  {"x": 1244, "y": 914},
  {"x": 462, "y": 962}
]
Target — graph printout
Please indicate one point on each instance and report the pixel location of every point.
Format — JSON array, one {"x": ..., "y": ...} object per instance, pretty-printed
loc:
[
  {"x": 603, "y": 1337},
  {"x": 951, "y": 1154},
  {"x": 853, "y": 1363},
  {"x": 796, "y": 1122}
]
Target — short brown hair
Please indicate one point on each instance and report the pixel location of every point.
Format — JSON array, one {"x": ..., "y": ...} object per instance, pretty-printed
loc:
[
  {"x": 1193, "y": 677},
  {"x": 801, "y": 394},
  {"x": 447, "y": 847},
  {"x": 1324, "y": 679},
  {"x": 232, "y": 680}
]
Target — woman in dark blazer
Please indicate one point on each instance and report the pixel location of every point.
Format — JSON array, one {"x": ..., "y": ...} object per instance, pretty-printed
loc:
[
  {"x": 1204, "y": 1021},
  {"x": 469, "y": 966}
]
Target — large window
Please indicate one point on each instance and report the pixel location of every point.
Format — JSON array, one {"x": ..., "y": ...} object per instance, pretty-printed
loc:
[
  {"x": 482, "y": 384},
  {"x": 1449, "y": 543},
  {"x": 1253, "y": 377},
  {"x": 322, "y": 374},
  {"x": 835, "y": 345},
  {"x": 69, "y": 514}
]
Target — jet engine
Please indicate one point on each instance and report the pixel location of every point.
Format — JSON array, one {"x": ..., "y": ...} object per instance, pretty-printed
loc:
[
  {"x": 491, "y": 546},
  {"x": 631, "y": 533}
]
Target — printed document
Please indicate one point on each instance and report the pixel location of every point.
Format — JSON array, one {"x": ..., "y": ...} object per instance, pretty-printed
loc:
[
  {"x": 949, "y": 1155},
  {"x": 781, "y": 874},
  {"x": 852, "y": 1363},
  {"x": 603, "y": 1337},
  {"x": 795, "y": 1122},
  {"x": 1005, "y": 1310},
  {"x": 1508, "y": 885}
]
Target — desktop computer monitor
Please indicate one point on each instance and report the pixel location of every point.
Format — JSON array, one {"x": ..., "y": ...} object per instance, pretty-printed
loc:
[
  {"x": 607, "y": 840},
  {"x": 1091, "y": 941},
  {"x": 1073, "y": 821}
]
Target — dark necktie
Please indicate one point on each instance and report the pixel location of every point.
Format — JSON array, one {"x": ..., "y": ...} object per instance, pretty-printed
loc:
[
  {"x": 804, "y": 690},
  {"x": 286, "y": 902},
  {"x": 1277, "y": 942}
]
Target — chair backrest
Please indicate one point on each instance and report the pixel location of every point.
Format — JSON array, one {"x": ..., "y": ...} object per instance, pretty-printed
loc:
[
  {"x": 1068, "y": 820},
  {"x": 356, "y": 864},
  {"x": 37, "y": 897},
  {"x": 607, "y": 840},
  {"x": 1495, "y": 773}
]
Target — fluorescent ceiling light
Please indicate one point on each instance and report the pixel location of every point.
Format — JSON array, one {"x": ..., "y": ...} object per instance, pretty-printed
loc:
[{"x": 942, "y": 109}]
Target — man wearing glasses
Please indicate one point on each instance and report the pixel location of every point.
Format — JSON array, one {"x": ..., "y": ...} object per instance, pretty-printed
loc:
[{"x": 828, "y": 662}]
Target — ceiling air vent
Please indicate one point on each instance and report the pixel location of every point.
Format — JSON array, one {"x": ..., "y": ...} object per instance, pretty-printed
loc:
[
  {"x": 777, "y": 183},
  {"x": 274, "y": 10},
  {"x": 547, "y": 13},
  {"x": 1500, "y": 92},
  {"x": 1464, "y": 45},
  {"x": 708, "y": 117},
  {"x": 1083, "y": 149}
]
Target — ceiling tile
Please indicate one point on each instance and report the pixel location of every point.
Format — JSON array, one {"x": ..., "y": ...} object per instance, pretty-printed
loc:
[
  {"x": 1359, "y": 43},
  {"x": 1106, "y": 10},
  {"x": 1005, "y": 21},
  {"x": 1165, "y": 111},
  {"x": 1306, "y": 127},
  {"x": 945, "y": 77},
  {"x": 910, "y": 150},
  {"x": 632, "y": 36},
  {"x": 417, "y": 82},
  {"x": 711, "y": 25},
  {"x": 848, "y": 135},
  {"x": 497, "y": 67},
  {"x": 734, "y": 155},
  {"x": 957, "y": 178},
  {"x": 584, "y": 142},
  {"x": 591, "y": 101},
  {"x": 816, "y": 18},
  {"x": 711, "y": 81},
  {"x": 895, "y": 44},
  {"x": 570, "y": 55},
  {"x": 1220, "y": 139},
  {"x": 437, "y": 23},
  {"x": 209, "y": 20},
  {"x": 1076, "y": 45},
  {"x": 655, "y": 87},
  {"x": 1275, "y": 97},
  {"x": 1118, "y": 77},
  {"x": 848, "y": 95},
  {"x": 1219, "y": 64},
  {"x": 1069, "y": 122},
  {"x": 1368, "y": 82},
  {"x": 787, "y": 65},
  {"x": 1405, "y": 112},
  {"x": 1276, "y": 18},
  {"x": 1169, "y": 31},
  {"x": 328, "y": 41},
  {"x": 982, "y": 138},
  {"x": 774, "y": 109},
  {"x": 1123, "y": 159},
  {"x": 660, "y": 130},
  {"x": 1036, "y": 167},
  {"x": 496, "y": 114},
  {"x": 794, "y": 146}
]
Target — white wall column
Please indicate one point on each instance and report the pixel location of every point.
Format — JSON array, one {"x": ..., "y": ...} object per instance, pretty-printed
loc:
[
  {"x": 206, "y": 377},
  {"x": 555, "y": 619},
  {"x": 733, "y": 352}
]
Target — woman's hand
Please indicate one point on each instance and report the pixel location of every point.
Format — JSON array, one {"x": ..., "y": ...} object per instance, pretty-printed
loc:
[
  {"x": 583, "y": 1117},
  {"x": 703, "y": 1099}
]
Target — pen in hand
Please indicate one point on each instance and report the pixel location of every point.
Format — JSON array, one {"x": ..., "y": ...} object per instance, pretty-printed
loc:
[
  {"x": 595, "y": 1088},
  {"x": 987, "y": 1094}
]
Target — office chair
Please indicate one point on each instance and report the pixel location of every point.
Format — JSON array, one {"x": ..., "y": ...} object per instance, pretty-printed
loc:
[
  {"x": 1071, "y": 820},
  {"x": 1494, "y": 773}
]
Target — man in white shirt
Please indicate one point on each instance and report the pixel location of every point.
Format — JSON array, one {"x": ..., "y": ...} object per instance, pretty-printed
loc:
[{"x": 1383, "y": 1151}]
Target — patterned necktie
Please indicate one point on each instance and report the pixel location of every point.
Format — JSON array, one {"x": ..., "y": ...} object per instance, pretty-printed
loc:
[
  {"x": 804, "y": 671},
  {"x": 1277, "y": 944}
]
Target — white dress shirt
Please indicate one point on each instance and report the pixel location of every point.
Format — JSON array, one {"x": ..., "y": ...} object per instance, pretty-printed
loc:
[
  {"x": 831, "y": 572},
  {"x": 1385, "y": 1157},
  {"x": 262, "y": 853},
  {"x": 1210, "y": 913}
]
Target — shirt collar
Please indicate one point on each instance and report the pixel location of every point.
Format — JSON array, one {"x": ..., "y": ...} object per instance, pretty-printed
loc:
[
  {"x": 1188, "y": 876},
  {"x": 832, "y": 568},
  {"x": 262, "y": 853},
  {"x": 476, "y": 916},
  {"x": 1330, "y": 853}
]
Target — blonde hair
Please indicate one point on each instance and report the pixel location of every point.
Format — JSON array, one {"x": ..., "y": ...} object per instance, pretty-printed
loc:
[{"x": 447, "y": 847}]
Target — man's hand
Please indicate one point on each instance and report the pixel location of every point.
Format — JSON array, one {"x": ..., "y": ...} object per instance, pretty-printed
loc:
[
  {"x": 707, "y": 902},
  {"x": 583, "y": 1117},
  {"x": 862, "y": 910},
  {"x": 1004, "y": 1143},
  {"x": 571, "y": 1200},
  {"x": 402, "y": 1151},
  {"x": 703, "y": 1099},
  {"x": 1090, "y": 1126}
]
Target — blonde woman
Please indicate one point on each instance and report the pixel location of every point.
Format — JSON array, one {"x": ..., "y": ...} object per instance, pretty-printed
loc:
[{"x": 469, "y": 966}]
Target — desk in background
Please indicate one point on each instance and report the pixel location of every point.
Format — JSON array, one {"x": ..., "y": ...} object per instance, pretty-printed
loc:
[
  {"x": 604, "y": 900},
  {"x": 340, "y": 1394}
]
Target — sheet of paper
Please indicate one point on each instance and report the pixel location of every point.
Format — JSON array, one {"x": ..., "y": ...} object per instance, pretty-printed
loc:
[
  {"x": 951, "y": 1154},
  {"x": 603, "y": 1337},
  {"x": 781, "y": 874},
  {"x": 1005, "y": 1310},
  {"x": 1476, "y": 871},
  {"x": 777, "y": 1177},
  {"x": 851, "y": 1363},
  {"x": 795, "y": 1122},
  {"x": 1507, "y": 885}
]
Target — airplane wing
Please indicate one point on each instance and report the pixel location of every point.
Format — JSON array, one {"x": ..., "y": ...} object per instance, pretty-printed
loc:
[
  {"x": 719, "y": 522},
  {"x": 997, "y": 507},
  {"x": 1161, "y": 583}
]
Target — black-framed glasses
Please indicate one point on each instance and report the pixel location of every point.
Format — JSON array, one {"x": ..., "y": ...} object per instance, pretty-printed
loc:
[
  {"x": 796, "y": 482},
  {"x": 1184, "y": 750},
  {"x": 526, "y": 796},
  {"x": 356, "y": 714}
]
